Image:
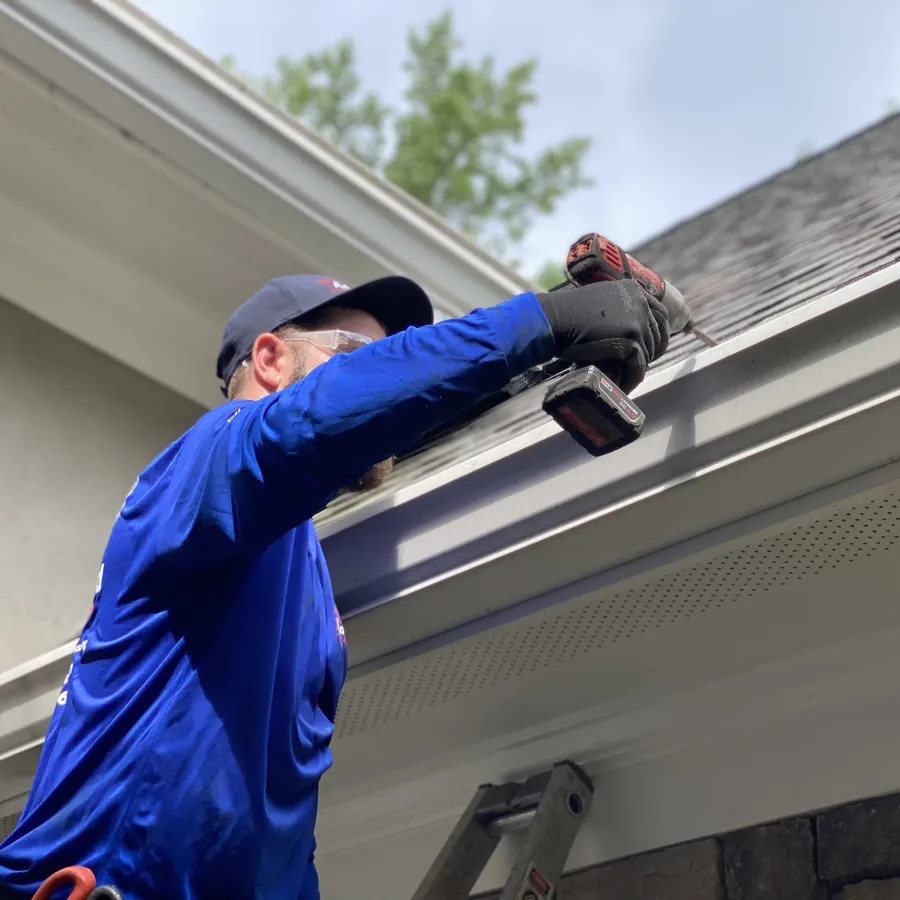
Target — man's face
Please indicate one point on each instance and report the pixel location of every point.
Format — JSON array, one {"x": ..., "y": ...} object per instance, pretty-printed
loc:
[{"x": 308, "y": 355}]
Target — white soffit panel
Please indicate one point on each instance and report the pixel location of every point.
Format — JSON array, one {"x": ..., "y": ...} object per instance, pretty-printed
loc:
[{"x": 696, "y": 694}]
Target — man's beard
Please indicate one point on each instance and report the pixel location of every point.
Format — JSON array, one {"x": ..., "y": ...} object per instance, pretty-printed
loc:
[
  {"x": 374, "y": 478},
  {"x": 378, "y": 474}
]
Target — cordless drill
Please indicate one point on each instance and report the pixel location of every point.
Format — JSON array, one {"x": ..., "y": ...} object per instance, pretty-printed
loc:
[{"x": 585, "y": 402}]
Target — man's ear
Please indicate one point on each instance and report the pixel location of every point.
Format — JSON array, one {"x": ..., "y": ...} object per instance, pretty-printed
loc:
[{"x": 271, "y": 361}]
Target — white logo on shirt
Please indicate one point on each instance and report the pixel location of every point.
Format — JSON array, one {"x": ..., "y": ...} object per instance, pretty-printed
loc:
[{"x": 80, "y": 647}]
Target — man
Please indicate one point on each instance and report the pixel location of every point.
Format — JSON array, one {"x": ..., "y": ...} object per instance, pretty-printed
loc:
[{"x": 184, "y": 756}]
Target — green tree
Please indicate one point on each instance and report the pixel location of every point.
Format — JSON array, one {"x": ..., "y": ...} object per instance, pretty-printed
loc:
[
  {"x": 804, "y": 152},
  {"x": 456, "y": 141},
  {"x": 549, "y": 275},
  {"x": 323, "y": 89}
]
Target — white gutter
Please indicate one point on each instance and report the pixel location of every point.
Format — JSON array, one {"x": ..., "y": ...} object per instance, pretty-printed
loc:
[{"x": 118, "y": 65}]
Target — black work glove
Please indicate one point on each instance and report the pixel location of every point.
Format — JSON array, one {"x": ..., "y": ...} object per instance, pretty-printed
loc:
[{"x": 613, "y": 325}]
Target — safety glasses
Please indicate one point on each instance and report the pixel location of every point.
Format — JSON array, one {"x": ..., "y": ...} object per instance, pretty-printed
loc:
[{"x": 336, "y": 339}]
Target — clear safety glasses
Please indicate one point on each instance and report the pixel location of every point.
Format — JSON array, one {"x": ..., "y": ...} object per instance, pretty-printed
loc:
[{"x": 336, "y": 339}]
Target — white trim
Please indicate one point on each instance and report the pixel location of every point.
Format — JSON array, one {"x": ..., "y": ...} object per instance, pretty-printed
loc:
[
  {"x": 727, "y": 720},
  {"x": 28, "y": 695}
]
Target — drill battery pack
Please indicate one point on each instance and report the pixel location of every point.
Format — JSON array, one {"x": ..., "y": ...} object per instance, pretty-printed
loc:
[{"x": 596, "y": 413}]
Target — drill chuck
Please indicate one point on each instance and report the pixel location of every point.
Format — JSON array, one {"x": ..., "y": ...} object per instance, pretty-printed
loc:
[
  {"x": 674, "y": 302},
  {"x": 596, "y": 258},
  {"x": 680, "y": 316}
]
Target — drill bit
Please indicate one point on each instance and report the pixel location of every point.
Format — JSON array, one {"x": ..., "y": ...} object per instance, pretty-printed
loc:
[{"x": 703, "y": 337}]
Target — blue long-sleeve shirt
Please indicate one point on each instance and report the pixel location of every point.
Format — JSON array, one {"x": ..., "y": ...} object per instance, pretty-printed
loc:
[{"x": 184, "y": 754}]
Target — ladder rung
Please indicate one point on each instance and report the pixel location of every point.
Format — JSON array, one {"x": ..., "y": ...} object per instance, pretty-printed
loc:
[{"x": 508, "y": 824}]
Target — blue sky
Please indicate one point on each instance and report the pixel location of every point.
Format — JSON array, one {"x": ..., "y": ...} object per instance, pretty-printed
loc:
[{"x": 688, "y": 101}]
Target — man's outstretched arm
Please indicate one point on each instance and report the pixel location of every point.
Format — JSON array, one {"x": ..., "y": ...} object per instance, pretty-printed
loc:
[{"x": 278, "y": 461}]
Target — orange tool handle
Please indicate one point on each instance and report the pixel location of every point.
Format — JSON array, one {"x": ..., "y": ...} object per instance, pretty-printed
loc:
[{"x": 82, "y": 880}]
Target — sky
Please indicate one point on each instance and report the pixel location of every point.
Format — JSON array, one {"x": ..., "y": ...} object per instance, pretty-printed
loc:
[{"x": 687, "y": 101}]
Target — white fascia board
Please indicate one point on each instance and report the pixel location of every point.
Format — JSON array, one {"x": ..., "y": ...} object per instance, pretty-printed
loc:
[
  {"x": 820, "y": 373},
  {"x": 117, "y": 63}
]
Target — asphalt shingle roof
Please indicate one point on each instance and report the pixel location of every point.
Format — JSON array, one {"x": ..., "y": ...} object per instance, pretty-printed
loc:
[
  {"x": 806, "y": 231},
  {"x": 802, "y": 233}
]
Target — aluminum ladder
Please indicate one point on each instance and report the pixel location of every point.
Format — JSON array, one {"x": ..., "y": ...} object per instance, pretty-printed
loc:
[{"x": 550, "y": 807}]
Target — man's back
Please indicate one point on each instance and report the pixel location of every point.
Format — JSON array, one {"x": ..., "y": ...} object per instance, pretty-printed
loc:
[{"x": 184, "y": 754}]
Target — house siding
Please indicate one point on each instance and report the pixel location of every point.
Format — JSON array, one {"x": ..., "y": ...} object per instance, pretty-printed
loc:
[{"x": 75, "y": 429}]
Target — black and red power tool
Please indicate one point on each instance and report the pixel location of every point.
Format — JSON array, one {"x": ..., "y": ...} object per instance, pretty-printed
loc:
[{"x": 585, "y": 402}]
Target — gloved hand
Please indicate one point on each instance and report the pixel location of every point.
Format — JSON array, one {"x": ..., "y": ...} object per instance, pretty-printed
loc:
[{"x": 613, "y": 325}]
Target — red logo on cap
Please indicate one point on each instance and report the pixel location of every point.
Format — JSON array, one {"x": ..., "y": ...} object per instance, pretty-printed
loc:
[{"x": 336, "y": 287}]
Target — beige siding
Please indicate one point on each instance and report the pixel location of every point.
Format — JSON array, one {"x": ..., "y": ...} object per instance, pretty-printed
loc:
[{"x": 75, "y": 430}]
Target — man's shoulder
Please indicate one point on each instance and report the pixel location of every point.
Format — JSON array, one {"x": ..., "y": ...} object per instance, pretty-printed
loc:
[
  {"x": 217, "y": 418},
  {"x": 208, "y": 427},
  {"x": 187, "y": 449}
]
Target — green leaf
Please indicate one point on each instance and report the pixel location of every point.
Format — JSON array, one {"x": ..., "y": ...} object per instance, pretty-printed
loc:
[
  {"x": 549, "y": 275},
  {"x": 456, "y": 144},
  {"x": 323, "y": 90},
  {"x": 804, "y": 152}
]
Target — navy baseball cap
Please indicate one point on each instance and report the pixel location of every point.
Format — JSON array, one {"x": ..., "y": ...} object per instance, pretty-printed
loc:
[{"x": 396, "y": 302}]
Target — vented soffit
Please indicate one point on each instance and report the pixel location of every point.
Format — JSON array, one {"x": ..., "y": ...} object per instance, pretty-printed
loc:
[{"x": 711, "y": 692}]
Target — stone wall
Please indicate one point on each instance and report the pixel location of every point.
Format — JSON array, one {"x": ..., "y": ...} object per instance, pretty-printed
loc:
[{"x": 851, "y": 852}]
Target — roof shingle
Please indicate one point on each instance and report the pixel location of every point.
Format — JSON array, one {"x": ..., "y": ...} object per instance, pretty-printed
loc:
[{"x": 802, "y": 233}]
